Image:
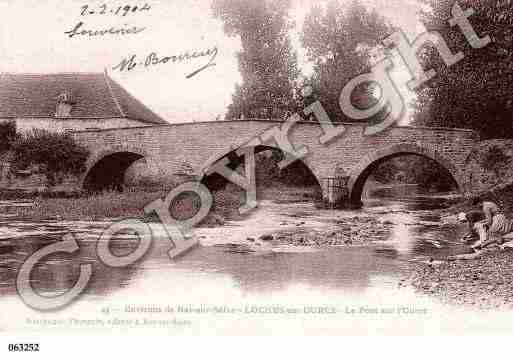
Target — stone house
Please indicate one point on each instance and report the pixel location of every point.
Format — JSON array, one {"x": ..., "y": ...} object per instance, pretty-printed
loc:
[
  {"x": 70, "y": 102},
  {"x": 64, "y": 102}
]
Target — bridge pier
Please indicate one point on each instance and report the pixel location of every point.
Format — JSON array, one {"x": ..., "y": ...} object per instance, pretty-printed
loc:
[{"x": 335, "y": 192}]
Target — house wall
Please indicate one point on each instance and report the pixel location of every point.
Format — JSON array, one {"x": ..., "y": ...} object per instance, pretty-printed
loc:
[{"x": 63, "y": 124}]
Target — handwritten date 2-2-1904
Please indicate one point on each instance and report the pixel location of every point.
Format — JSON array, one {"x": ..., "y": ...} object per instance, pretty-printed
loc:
[{"x": 114, "y": 10}]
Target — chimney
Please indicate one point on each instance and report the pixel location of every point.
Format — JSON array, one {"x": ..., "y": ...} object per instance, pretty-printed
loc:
[{"x": 64, "y": 105}]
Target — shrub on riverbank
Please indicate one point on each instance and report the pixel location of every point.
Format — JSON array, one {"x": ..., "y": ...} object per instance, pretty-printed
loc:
[
  {"x": 490, "y": 164},
  {"x": 55, "y": 155}
]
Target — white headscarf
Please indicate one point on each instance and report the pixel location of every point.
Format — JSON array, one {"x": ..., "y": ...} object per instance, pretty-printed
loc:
[{"x": 462, "y": 217}]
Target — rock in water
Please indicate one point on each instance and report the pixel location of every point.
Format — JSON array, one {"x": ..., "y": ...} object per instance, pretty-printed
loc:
[
  {"x": 266, "y": 238},
  {"x": 218, "y": 219}
]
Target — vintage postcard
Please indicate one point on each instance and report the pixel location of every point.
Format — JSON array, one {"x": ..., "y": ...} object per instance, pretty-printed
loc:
[{"x": 255, "y": 167}]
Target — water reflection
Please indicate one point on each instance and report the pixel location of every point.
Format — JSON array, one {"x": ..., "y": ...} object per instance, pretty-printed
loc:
[
  {"x": 416, "y": 232},
  {"x": 58, "y": 272},
  {"x": 329, "y": 269}
]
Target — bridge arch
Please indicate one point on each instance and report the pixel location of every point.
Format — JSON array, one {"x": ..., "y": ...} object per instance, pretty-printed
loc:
[
  {"x": 230, "y": 153},
  {"x": 106, "y": 168},
  {"x": 359, "y": 174}
]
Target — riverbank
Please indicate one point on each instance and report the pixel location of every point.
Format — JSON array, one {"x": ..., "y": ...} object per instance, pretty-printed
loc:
[
  {"x": 485, "y": 282},
  {"x": 107, "y": 205},
  {"x": 131, "y": 203}
]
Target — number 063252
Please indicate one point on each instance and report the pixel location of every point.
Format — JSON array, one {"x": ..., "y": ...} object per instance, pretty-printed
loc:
[{"x": 23, "y": 347}]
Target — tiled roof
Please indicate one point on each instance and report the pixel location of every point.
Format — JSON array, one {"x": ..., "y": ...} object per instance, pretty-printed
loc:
[{"x": 95, "y": 95}]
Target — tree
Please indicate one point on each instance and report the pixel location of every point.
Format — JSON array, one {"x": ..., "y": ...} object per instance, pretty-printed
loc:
[
  {"x": 476, "y": 92},
  {"x": 267, "y": 63},
  {"x": 269, "y": 172},
  {"x": 428, "y": 174},
  {"x": 55, "y": 154},
  {"x": 340, "y": 40},
  {"x": 420, "y": 170}
]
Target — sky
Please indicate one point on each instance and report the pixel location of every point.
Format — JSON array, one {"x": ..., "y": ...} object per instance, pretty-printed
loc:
[{"x": 33, "y": 40}]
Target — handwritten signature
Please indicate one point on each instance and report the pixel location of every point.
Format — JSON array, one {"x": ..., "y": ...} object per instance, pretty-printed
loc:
[{"x": 132, "y": 62}]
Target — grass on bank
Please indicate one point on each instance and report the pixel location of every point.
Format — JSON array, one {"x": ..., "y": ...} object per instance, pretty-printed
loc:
[
  {"x": 128, "y": 204},
  {"x": 131, "y": 204}
]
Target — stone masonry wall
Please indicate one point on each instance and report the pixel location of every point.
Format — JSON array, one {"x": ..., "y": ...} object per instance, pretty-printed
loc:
[{"x": 168, "y": 149}]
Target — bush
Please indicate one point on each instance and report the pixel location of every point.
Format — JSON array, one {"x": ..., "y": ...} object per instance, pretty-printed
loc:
[
  {"x": 54, "y": 154},
  {"x": 7, "y": 135},
  {"x": 494, "y": 159}
]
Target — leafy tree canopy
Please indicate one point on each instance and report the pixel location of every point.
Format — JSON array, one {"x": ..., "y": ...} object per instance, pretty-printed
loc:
[
  {"x": 476, "y": 92},
  {"x": 340, "y": 40},
  {"x": 267, "y": 62}
]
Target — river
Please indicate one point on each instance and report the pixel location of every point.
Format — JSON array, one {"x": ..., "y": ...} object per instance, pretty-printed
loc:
[{"x": 355, "y": 289}]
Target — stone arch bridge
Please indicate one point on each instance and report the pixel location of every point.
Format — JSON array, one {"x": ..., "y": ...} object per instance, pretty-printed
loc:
[{"x": 187, "y": 150}]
